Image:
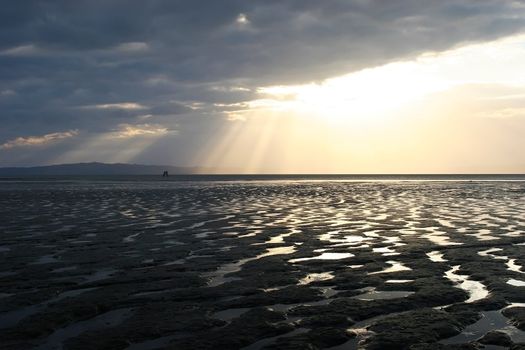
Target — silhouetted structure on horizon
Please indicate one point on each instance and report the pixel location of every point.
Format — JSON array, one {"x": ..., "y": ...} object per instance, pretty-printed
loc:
[{"x": 165, "y": 173}]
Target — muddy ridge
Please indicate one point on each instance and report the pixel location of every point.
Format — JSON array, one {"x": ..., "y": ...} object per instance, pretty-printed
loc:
[{"x": 263, "y": 265}]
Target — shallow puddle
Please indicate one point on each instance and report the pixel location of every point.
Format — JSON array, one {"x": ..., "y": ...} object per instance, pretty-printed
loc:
[
  {"x": 280, "y": 238},
  {"x": 439, "y": 238},
  {"x": 385, "y": 251},
  {"x": 217, "y": 277},
  {"x": 337, "y": 237},
  {"x": 516, "y": 283},
  {"x": 491, "y": 320},
  {"x": 510, "y": 263},
  {"x": 512, "y": 266},
  {"x": 130, "y": 238},
  {"x": 324, "y": 256},
  {"x": 395, "y": 267},
  {"x": 99, "y": 276},
  {"x": 276, "y": 251},
  {"x": 436, "y": 256},
  {"x": 316, "y": 277},
  {"x": 399, "y": 281},
  {"x": 475, "y": 289},
  {"x": 383, "y": 294},
  {"x": 229, "y": 314}
]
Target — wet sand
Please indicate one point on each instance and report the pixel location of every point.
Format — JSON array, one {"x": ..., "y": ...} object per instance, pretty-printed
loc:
[{"x": 262, "y": 265}]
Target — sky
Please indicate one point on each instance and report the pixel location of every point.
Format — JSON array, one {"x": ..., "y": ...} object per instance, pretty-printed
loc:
[{"x": 266, "y": 86}]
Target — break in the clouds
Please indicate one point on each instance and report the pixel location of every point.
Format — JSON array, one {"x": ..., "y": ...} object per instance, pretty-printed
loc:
[{"x": 148, "y": 68}]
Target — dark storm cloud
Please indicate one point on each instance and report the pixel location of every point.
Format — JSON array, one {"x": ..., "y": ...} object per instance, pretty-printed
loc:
[{"x": 179, "y": 58}]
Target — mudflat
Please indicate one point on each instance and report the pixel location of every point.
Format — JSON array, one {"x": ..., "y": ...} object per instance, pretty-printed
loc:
[{"x": 277, "y": 264}]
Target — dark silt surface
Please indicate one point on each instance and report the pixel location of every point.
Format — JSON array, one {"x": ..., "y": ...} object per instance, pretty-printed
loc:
[{"x": 262, "y": 262}]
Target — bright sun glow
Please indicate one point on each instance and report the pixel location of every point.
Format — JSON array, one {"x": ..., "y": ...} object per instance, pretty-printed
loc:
[
  {"x": 380, "y": 91},
  {"x": 433, "y": 113},
  {"x": 370, "y": 92}
]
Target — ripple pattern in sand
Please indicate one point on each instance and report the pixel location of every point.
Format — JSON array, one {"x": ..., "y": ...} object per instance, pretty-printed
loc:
[{"x": 278, "y": 251}]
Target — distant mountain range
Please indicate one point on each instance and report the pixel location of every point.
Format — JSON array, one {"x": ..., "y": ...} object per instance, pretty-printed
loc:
[{"x": 96, "y": 168}]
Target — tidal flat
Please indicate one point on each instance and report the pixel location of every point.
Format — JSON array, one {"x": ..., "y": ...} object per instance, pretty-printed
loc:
[{"x": 262, "y": 264}]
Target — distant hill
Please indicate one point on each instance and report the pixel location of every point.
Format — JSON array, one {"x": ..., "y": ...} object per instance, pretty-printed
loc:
[{"x": 96, "y": 168}]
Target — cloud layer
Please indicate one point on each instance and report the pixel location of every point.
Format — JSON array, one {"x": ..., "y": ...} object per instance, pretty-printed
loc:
[
  {"x": 38, "y": 140},
  {"x": 94, "y": 66}
]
